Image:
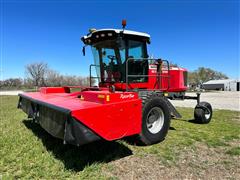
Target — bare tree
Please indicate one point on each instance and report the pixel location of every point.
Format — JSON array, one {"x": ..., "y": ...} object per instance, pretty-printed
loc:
[
  {"x": 37, "y": 72},
  {"x": 53, "y": 78},
  {"x": 28, "y": 83}
]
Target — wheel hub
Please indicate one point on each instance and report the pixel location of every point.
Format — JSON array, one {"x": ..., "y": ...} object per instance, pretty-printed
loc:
[{"x": 155, "y": 120}]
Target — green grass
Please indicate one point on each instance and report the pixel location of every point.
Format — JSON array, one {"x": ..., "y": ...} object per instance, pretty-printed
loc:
[
  {"x": 27, "y": 151},
  {"x": 235, "y": 151}
]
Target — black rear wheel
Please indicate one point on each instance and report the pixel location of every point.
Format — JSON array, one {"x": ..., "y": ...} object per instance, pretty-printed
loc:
[
  {"x": 155, "y": 120},
  {"x": 203, "y": 113}
]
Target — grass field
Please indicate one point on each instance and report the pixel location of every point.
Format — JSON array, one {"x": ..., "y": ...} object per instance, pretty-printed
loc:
[{"x": 189, "y": 151}]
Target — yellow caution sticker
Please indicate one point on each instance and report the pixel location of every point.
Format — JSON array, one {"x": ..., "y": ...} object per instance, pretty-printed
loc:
[{"x": 101, "y": 96}]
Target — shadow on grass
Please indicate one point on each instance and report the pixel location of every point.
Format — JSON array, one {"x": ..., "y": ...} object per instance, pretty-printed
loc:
[
  {"x": 193, "y": 121},
  {"x": 134, "y": 140},
  {"x": 76, "y": 158},
  {"x": 172, "y": 128}
]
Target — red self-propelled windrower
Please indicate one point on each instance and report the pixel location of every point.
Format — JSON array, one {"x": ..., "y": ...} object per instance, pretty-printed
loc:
[{"x": 129, "y": 96}]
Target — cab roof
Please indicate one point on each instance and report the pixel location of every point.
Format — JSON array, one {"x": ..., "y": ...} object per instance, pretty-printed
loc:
[{"x": 108, "y": 33}]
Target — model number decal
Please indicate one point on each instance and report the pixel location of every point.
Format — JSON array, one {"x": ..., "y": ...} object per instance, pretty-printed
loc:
[
  {"x": 126, "y": 96},
  {"x": 152, "y": 67}
]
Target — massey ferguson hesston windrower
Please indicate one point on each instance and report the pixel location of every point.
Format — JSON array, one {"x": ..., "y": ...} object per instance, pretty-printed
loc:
[{"x": 130, "y": 98}]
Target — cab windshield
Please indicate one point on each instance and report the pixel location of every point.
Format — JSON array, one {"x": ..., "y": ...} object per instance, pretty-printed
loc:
[{"x": 110, "y": 59}]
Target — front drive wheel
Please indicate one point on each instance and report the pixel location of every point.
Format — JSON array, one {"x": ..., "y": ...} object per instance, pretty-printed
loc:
[{"x": 155, "y": 121}]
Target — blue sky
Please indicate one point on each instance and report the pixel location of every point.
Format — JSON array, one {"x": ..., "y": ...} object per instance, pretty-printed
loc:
[{"x": 189, "y": 33}]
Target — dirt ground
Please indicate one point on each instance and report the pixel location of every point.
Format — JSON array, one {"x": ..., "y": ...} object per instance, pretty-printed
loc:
[
  {"x": 201, "y": 162},
  {"x": 218, "y": 100}
]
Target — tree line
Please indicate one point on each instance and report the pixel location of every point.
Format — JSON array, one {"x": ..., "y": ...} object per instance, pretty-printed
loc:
[
  {"x": 39, "y": 74},
  {"x": 202, "y": 75}
]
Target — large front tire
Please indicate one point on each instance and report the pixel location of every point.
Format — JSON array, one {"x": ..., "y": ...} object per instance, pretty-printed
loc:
[{"x": 155, "y": 120}]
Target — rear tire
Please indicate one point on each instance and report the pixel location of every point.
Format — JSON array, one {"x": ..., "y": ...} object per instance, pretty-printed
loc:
[
  {"x": 203, "y": 113},
  {"x": 155, "y": 120}
]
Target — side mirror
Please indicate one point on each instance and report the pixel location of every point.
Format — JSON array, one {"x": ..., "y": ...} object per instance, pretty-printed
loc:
[{"x": 83, "y": 50}]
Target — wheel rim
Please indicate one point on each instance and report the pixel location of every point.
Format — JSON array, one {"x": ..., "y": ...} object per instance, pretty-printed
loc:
[
  {"x": 207, "y": 115},
  {"x": 155, "y": 120}
]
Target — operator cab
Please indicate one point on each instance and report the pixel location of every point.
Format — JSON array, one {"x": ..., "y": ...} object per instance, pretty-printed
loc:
[{"x": 114, "y": 48}]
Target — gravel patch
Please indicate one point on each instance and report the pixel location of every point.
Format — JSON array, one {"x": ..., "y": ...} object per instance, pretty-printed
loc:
[
  {"x": 218, "y": 100},
  {"x": 10, "y": 93}
]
